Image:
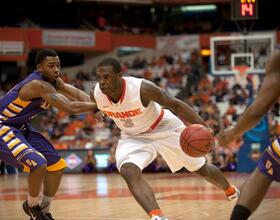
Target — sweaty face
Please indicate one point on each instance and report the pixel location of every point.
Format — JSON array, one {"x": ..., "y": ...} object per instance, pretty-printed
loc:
[
  {"x": 107, "y": 79},
  {"x": 50, "y": 68}
]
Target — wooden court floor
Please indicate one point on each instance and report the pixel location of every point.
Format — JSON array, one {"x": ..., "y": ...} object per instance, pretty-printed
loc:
[{"x": 181, "y": 196}]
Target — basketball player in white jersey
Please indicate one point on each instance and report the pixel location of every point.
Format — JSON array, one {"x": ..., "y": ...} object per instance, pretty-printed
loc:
[
  {"x": 268, "y": 170},
  {"x": 148, "y": 129}
]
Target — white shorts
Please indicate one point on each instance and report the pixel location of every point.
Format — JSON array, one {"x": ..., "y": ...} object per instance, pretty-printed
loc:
[{"x": 142, "y": 149}]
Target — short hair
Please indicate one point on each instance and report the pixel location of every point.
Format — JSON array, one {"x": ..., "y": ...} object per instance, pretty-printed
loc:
[
  {"x": 109, "y": 61},
  {"x": 42, "y": 54}
]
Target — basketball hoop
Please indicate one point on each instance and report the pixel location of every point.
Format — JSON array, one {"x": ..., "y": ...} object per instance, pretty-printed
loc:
[{"x": 241, "y": 72}]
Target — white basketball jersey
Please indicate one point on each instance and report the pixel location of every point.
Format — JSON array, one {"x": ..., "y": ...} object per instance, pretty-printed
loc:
[{"x": 129, "y": 114}]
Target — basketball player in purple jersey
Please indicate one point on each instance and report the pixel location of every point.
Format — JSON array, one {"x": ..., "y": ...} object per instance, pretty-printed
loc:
[
  {"x": 268, "y": 170},
  {"x": 27, "y": 149}
]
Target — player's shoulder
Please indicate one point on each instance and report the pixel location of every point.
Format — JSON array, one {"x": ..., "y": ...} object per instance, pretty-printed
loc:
[
  {"x": 147, "y": 84},
  {"x": 148, "y": 89},
  {"x": 132, "y": 79}
]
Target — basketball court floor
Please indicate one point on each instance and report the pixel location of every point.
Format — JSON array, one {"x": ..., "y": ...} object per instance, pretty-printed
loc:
[{"x": 182, "y": 196}]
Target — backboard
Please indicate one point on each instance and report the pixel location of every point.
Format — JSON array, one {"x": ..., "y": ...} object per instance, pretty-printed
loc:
[{"x": 252, "y": 51}]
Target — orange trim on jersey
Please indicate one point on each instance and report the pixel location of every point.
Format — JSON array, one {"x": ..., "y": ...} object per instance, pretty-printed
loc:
[
  {"x": 156, "y": 122},
  {"x": 26, "y": 169},
  {"x": 153, "y": 126},
  {"x": 276, "y": 148},
  {"x": 61, "y": 164},
  {"x": 13, "y": 143},
  {"x": 8, "y": 136},
  {"x": 21, "y": 103},
  {"x": 272, "y": 154},
  {"x": 123, "y": 91},
  {"x": 4, "y": 130},
  {"x": 18, "y": 149},
  {"x": 14, "y": 108},
  {"x": 8, "y": 113}
]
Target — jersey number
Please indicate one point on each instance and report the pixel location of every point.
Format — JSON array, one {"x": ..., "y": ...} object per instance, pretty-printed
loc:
[
  {"x": 268, "y": 166},
  {"x": 127, "y": 123}
]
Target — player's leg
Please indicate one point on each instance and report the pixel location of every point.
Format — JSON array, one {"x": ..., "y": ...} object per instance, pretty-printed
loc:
[
  {"x": 255, "y": 188},
  {"x": 15, "y": 150},
  {"x": 214, "y": 175},
  {"x": 132, "y": 157},
  {"x": 139, "y": 188},
  {"x": 252, "y": 193},
  {"x": 55, "y": 168}
]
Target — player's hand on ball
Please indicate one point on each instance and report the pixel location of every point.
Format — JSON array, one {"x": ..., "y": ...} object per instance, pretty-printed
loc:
[
  {"x": 225, "y": 137},
  {"x": 211, "y": 130}
]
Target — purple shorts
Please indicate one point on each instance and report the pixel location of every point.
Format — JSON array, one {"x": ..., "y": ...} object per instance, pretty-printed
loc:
[
  {"x": 16, "y": 144},
  {"x": 269, "y": 164}
]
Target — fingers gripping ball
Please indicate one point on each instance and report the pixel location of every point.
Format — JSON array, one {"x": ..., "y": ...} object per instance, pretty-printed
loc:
[{"x": 196, "y": 140}]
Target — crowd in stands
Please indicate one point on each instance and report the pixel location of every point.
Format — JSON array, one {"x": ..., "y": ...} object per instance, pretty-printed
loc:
[
  {"x": 116, "y": 18},
  {"x": 111, "y": 18}
]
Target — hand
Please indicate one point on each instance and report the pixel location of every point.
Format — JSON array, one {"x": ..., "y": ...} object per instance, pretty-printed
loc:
[
  {"x": 211, "y": 130},
  {"x": 59, "y": 84},
  {"x": 225, "y": 137},
  {"x": 99, "y": 116}
]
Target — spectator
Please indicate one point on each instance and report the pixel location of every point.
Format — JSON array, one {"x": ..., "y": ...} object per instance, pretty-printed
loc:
[
  {"x": 89, "y": 165},
  {"x": 112, "y": 167}
]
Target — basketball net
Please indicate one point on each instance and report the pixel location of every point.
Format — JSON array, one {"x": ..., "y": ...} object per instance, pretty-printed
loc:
[{"x": 241, "y": 73}]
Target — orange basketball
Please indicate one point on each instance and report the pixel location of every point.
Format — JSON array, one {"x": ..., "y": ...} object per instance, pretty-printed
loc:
[{"x": 196, "y": 140}]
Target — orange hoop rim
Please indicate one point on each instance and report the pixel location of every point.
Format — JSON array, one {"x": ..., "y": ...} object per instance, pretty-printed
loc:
[{"x": 241, "y": 69}]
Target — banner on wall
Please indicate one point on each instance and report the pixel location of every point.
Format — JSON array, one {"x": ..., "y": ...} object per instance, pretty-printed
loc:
[
  {"x": 177, "y": 44},
  {"x": 12, "y": 47},
  {"x": 68, "y": 38},
  {"x": 75, "y": 159}
]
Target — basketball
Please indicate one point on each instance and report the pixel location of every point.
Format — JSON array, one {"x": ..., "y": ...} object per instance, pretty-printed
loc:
[{"x": 196, "y": 140}]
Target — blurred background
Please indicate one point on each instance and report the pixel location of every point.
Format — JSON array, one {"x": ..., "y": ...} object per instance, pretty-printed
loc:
[{"x": 209, "y": 53}]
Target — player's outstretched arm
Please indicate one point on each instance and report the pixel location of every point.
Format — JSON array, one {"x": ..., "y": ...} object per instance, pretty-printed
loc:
[
  {"x": 71, "y": 92},
  {"x": 151, "y": 92},
  {"x": 267, "y": 96},
  {"x": 44, "y": 90}
]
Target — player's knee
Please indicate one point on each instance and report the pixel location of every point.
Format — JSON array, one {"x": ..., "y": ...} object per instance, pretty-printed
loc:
[
  {"x": 203, "y": 171},
  {"x": 130, "y": 172},
  {"x": 33, "y": 161}
]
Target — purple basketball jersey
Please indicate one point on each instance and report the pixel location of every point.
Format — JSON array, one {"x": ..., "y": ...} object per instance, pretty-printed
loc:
[{"x": 14, "y": 111}]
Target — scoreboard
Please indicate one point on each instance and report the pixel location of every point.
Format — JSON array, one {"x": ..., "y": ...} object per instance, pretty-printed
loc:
[{"x": 244, "y": 9}]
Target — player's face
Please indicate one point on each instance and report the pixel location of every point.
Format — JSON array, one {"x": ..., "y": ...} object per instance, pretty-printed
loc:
[
  {"x": 50, "y": 68},
  {"x": 107, "y": 79}
]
